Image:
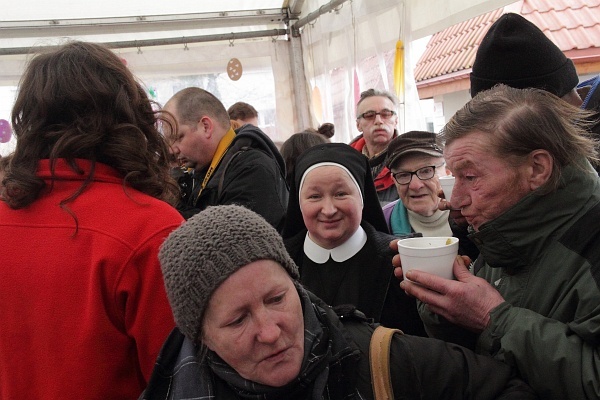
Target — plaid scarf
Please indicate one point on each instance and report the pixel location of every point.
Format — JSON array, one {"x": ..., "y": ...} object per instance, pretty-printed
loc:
[{"x": 328, "y": 370}]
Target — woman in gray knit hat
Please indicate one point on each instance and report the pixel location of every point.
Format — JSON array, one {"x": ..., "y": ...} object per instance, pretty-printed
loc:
[{"x": 246, "y": 329}]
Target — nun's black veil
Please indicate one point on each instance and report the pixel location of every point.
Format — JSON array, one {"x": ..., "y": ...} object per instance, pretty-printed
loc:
[{"x": 356, "y": 163}]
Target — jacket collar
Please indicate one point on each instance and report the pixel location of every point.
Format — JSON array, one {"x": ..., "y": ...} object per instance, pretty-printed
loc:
[
  {"x": 341, "y": 253},
  {"x": 517, "y": 237},
  {"x": 64, "y": 171}
]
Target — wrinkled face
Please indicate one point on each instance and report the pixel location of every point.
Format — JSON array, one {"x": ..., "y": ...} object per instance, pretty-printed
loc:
[
  {"x": 378, "y": 131},
  {"x": 420, "y": 196},
  {"x": 254, "y": 322},
  {"x": 190, "y": 144},
  {"x": 331, "y": 206},
  {"x": 486, "y": 186}
]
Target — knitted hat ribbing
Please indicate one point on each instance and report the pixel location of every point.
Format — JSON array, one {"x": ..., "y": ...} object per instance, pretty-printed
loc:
[
  {"x": 198, "y": 256},
  {"x": 516, "y": 53}
]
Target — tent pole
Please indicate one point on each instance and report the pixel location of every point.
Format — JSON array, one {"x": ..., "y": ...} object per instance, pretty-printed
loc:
[
  {"x": 301, "y": 103},
  {"x": 160, "y": 42},
  {"x": 325, "y": 8}
]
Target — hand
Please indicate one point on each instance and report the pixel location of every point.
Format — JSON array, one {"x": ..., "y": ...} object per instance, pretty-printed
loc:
[
  {"x": 466, "y": 301},
  {"x": 455, "y": 213},
  {"x": 396, "y": 259},
  {"x": 397, "y": 263}
]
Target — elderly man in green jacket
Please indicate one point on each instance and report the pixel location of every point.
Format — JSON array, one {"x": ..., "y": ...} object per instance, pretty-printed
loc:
[{"x": 525, "y": 185}]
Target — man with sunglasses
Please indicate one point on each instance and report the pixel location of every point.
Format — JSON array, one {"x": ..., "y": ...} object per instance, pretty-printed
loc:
[{"x": 377, "y": 119}]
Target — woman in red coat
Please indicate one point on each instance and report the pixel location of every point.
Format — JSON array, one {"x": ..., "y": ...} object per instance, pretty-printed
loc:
[{"x": 86, "y": 207}]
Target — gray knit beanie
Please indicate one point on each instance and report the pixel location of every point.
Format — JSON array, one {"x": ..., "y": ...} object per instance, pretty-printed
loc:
[{"x": 198, "y": 256}]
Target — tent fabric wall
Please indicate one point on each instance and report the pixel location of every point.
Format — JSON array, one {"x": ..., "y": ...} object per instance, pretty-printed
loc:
[
  {"x": 342, "y": 52},
  {"x": 212, "y": 58},
  {"x": 154, "y": 66},
  {"x": 351, "y": 50}
]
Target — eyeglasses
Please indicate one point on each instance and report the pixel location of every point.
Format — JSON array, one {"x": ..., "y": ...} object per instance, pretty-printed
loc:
[
  {"x": 370, "y": 115},
  {"x": 425, "y": 173}
]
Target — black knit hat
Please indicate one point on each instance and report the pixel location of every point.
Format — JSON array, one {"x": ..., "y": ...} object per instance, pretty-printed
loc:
[
  {"x": 413, "y": 142},
  {"x": 517, "y": 53},
  {"x": 355, "y": 162},
  {"x": 210, "y": 246}
]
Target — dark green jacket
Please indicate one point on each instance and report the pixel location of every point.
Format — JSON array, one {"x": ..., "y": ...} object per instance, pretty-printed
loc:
[{"x": 543, "y": 256}]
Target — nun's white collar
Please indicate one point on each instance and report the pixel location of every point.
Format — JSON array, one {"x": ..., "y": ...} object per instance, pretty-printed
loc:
[{"x": 341, "y": 253}]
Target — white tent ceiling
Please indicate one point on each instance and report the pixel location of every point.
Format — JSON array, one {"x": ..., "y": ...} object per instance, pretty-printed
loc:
[
  {"x": 281, "y": 36},
  {"x": 38, "y": 23}
]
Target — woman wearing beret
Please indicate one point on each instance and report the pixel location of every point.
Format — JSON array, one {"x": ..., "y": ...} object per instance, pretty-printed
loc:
[
  {"x": 336, "y": 234},
  {"x": 246, "y": 329}
]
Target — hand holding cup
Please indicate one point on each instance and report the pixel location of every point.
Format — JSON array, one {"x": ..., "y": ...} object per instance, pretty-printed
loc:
[{"x": 434, "y": 255}]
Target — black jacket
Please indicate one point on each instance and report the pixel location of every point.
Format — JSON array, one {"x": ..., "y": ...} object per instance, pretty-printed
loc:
[
  {"x": 251, "y": 174},
  {"x": 420, "y": 368},
  {"x": 388, "y": 304}
]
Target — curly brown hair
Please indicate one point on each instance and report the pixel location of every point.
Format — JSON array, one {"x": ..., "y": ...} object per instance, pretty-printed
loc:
[{"x": 80, "y": 101}]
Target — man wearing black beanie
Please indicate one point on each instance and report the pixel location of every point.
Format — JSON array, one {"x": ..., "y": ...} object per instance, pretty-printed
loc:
[{"x": 518, "y": 54}]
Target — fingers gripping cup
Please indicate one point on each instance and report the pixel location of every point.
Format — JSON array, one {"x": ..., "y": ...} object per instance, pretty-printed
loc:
[
  {"x": 434, "y": 255},
  {"x": 447, "y": 183}
]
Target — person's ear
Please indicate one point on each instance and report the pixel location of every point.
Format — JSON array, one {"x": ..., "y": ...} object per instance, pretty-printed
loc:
[
  {"x": 358, "y": 125},
  {"x": 541, "y": 164},
  {"x": 206, "y": 125}
]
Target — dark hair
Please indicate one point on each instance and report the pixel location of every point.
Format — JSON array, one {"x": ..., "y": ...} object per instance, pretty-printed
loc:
[
  {"x": 327, "y": 129},
  {"x": 520, "y": 121},
  {"x": 4, "y": 161},
  {"x": 296, "y": 145},
  {"x": 241, "y": 110},
  {"x": 81, "y": 101}
]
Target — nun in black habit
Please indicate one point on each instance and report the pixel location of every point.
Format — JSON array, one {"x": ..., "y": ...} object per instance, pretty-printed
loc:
[{"x": 337, "y": 235}]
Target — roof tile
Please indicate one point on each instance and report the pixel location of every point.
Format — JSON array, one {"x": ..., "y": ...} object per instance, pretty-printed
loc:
[{"x": 571, "y": 24}]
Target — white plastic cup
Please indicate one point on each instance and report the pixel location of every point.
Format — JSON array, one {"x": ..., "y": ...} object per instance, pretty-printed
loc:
[
  {"x": 447, "y": 183},
  {"x": 434, "y": 255}
]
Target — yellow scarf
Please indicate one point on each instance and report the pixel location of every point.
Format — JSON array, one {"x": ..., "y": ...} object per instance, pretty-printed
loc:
[{"x": 219, "y": 154}]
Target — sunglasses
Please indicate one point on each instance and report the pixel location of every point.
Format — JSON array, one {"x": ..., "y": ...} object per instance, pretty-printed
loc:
[{"x": 370, "y": 115}]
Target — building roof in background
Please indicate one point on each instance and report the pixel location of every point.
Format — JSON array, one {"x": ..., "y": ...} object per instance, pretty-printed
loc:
[{"x": 574, "y": 25}]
